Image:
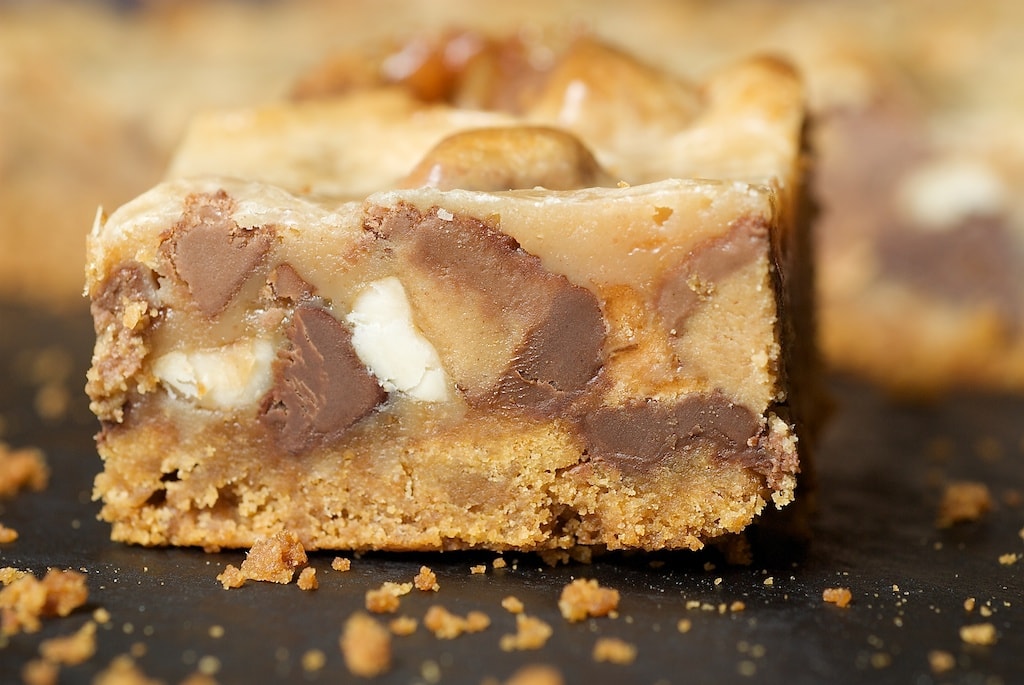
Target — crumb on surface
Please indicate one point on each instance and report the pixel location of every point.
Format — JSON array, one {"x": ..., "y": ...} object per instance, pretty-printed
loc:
[
  {"x": 978, "y": 634},
  {"x": 403, "y": 625},
  {"x": 684, "y": 625},
  {"x": 313, "y": 660},
  {"x": 536, "y": 674},
  {"x": 941, "y": 661},
  {"x": 963, "y": 502},
  {"x": 40, "y": 672},
  {"x": 499, "y": 563},
  {"x": 385, "y": 599},
  {"x": 426, "y": 580},
  {"x": 307, "y": 579},
  {"x": 512, "y": 604},
  {"x": 531, "y": 633},
  {"x": 231, "y": 577},
  {"x": 840, "y": 596},
  {"x": 72, "y": 649},
  {"x": 1008, "y": 559},
  {"x": 21, "y": 468},
  {"x": 614, "y": 650},
  {"x": 199, "y": 678},
  {"x": 341, "y": 564},
  {"x": 123, "y": 671},
  {"x": 365, "y": 645},
  {"x": 583, "y": 598},
  {"x": 274, "y": 558},
  {"x": 969, "y": 604},
  {"x": 447, "y": 626},
  {"x": 7, "y": 534},
  {"x": 25, "y": 598},
  {"x": 478, "y": 569}
]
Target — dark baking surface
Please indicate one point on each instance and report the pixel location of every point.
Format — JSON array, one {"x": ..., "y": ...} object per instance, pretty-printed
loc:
[{"x": 882, "y": 466}]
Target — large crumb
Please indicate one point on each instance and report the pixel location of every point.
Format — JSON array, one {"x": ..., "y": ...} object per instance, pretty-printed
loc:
[
  {"x": 231, "y": 577},
  {"x": 40, "y": 672},
  {"x": 536, "y": 674},
  {"x": 7, "y": 534},
  {"x": 426, "y": 580},
  {"x": 840, "y": 596},
  {"x": 72, "y": 649},
  {"x": 365, "y": 645},
  {"x": 614, "y": 650},
  {"x": 25, "y": 599},
  {"x": 402, "y": 625},
  {"x": 531, "y": 633},
  {"x": 341, "y": 564},
  {"x": 447, "y": 626},
  {"x": 941, "y": 661},
  {"x": 963, "y": 501},
  {"x": 978, "y": 634},
  {"x": 582, "y": 598},
  {"x": 307, "y": 579},
  {"x": 123, "y": 671},
  {"x": 384, "y": 600},
  {"x": 313, "y": 660},
  {"x": 274, "y": 558},
  {"x": 22, "y": 468},
  {"x": 512, "y": 604}
]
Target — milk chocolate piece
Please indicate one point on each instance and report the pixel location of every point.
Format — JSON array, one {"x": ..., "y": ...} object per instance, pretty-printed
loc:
[
  {"x": 977, "y": 261},
  {"x": 640, "y": 435},
  {"x": 694, "y": 280},
  {"x": 320, "y": 386},
  {"x": 561, "y": 325},
  {"x": 559, "y": 356},
  {"x": 212, "y": 254}
]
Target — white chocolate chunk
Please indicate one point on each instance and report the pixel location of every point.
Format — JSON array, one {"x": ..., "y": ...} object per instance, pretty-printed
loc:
[
  {"x": 944, "y": 193},
  {"x": 387, "y": 341},
  {"x": 226, "y": 377}
]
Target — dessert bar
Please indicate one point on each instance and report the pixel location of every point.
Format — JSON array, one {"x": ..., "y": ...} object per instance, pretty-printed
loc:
[{"x": 380, "y": 323}]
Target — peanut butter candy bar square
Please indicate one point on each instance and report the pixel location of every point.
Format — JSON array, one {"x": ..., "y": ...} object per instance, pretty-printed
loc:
[{"x": 381, "y": 323}]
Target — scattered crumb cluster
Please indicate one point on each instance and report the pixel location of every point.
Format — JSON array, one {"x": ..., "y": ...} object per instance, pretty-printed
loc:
[{"x": 25, "y": 599}]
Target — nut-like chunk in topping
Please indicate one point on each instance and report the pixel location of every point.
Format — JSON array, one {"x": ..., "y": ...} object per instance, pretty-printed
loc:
[
  {"x": 388, "y": 342},
  {"x": 508, "y": 158},
  {"x": 227, "y": 377}
]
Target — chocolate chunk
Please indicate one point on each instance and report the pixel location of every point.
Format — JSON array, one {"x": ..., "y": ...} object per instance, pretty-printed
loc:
[
  {"x": 321, "y": 388},
  {"x": 211, "y": 253},
  {"x": 560, "y": 356},
  {"x": 974, "y": 262},
  {"x": 694, "y": 279},
  {"x": 638, "y": 436},
  {"x": 286, "y": 284},
  {"x": 130, "y": 282},
  {"x": 561, "y": 325}
]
